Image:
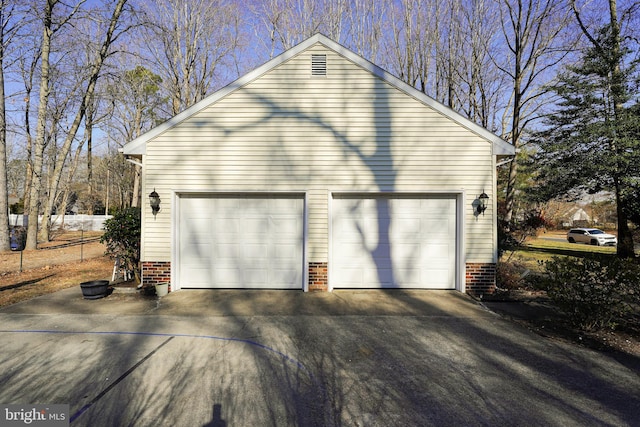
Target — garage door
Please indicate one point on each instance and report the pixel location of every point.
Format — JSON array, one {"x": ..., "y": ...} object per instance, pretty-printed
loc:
[
  {"x": 241, "y": 242},
  {"x": 400, "y": 242}
]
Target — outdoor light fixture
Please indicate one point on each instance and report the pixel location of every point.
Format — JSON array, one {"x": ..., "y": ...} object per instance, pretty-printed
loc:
[
  {"x": 482, "y": 206},
  {"x": 154, "y": 201}
]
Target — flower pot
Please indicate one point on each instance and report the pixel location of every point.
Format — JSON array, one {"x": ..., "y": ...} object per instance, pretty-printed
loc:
[
  {"x": 162, "y": 290},
  {"x": 95, "y": 289}
]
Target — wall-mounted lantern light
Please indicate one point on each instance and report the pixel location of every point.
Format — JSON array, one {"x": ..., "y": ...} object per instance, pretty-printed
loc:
[
  {"x": 482, "y": 206},
  {"x": 154, "y": 201}
]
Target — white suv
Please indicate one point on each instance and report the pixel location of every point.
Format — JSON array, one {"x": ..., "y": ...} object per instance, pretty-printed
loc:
[{"x": 592, "y": 236}]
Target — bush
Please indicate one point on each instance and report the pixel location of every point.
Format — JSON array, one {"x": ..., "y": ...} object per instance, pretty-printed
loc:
[
  {"x": 513, "y": 234},
  {"x": 122, "y": 237},
  {"x": 510, "y": 275},
  {"x": 596, "y": 292}
]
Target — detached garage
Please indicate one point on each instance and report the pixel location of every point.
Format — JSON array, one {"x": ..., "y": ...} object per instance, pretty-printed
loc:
[{"x": 319, "y": 171}]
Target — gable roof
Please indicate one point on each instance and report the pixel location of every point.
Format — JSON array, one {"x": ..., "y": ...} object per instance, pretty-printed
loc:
[{"x": 500, "y": 146}]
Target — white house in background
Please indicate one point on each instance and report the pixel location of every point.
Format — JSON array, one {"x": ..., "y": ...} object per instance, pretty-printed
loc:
[
  {"x": 318, "y": 171},
  {"x": 579, "y": 216}
]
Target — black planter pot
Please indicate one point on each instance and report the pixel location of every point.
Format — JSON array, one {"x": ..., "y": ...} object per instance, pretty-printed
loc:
[{"x": 95, "y": 289}]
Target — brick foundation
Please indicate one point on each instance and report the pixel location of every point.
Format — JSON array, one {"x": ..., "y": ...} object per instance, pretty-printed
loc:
[
  {"x": 318, "y": 277},
  {"x": 480, "y": 278},
  {"x": 156, "y": 272}
]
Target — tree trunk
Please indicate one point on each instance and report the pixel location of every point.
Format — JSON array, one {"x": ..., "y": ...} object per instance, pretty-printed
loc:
[
  {"x": 27, "y": 129},
  {"x": 38, "y": 149},
  {"x": 625, "y": 248},
  {"x": 88, "y": 125},
  {"x": 4, "y": 196},
  {"x": 135, "y": 198}
]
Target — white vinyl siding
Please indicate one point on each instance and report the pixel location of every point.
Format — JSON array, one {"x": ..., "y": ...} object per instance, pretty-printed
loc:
[{"x": 349, "y": 131}]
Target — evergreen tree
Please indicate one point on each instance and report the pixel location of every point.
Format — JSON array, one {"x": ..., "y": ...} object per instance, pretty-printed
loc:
[{"x": 592, "y": 143}]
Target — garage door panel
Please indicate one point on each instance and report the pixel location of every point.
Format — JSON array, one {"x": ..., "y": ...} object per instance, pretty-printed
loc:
[
  {"x": 199, "y": 275},
  {"x": 222, "y": 276},
  {"x": 439, "y": 278},
  {"x": 286, "y": 225},
  {"x": 198, "y": 225},
  {"x": 255, "y": 226},
  {"x": 383, "y": 275},
  {"x": 255, "y": 276},
  {"x": 436, "y": 252},
  {"x": 196, "y": 250},
  {"x": 226, "y": 226},
  {"x": 243, "y": 242},
  {"x": 351, "y": 277},
  {"x": 407, "y": 225},
  {"x": 406, "y": 252},
  {"x": 282, "y": 276},
  {"x": 255, "y": 252},
  {"x": 410, "y": 278},
  {"x": 393, "y": 242},
  {"x": 286, "y": 252}
]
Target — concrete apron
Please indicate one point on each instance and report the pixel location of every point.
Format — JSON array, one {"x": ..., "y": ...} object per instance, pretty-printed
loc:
[{"x": 258, "y": 358}]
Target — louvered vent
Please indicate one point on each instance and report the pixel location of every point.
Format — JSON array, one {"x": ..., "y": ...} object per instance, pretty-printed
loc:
[{"x": 318, "y": 65}]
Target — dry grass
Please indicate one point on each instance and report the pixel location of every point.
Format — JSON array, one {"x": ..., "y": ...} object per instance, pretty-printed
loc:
[
  {"x": 16, "y": 287},
  {"x": 48, "y": 270}
]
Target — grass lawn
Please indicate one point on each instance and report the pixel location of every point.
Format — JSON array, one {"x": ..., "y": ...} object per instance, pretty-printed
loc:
[{"x": 543, "y": 248}]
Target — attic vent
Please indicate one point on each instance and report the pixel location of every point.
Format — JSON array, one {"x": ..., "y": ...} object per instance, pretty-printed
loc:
[{"x": 318, "y": 65}]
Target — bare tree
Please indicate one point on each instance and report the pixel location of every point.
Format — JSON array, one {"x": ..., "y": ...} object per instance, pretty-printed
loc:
[
  {"x": 365, "y": 27},
  {"x": 49, "y": 27},
  {"x": 56, "y": 16},
  {"x": 95, "y": 66},
  {"x": 288, "y": 22},
  {"x": 28, "y": 64},
  {"x": 448, "y": 54},
  {"x": 135, "y": 100},
  {"x": 8, "y": 27},
  {"x": 532, "y": 31},
  {"x": 410, "y": 50},
  {"x": 189, "y": 40},
  {"x": 281, "y": 24},
  {"x": 481, "y": 85},
  {"x": 443, "y": 49}
]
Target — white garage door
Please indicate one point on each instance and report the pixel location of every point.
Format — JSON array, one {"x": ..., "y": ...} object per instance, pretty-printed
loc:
[
  {"x": 241, "y": 242},
  {"x": 384, "y": 242}
]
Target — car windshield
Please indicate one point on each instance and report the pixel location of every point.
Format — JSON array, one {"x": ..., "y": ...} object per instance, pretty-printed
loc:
[{"x": 596, "y": 232}]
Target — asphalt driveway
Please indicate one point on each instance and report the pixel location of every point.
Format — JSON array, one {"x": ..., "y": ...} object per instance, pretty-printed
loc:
[{"x": 254, "y": 358}]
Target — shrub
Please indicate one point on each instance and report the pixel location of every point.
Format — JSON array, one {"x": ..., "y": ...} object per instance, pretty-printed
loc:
[
  {"x": 510, "y": 275},
  {"x": 513, "y": 234},
  {"x": 596, "y": 292},
  {"x": 122, "y": 237}
]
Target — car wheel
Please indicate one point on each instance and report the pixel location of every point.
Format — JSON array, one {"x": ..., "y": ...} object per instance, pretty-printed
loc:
[
  {"x": 572, "y": 240},
  {"x": 594, "y": 242}
]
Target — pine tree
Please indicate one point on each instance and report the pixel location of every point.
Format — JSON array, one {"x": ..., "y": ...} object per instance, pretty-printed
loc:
[{"x": 592, "y": 143}]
